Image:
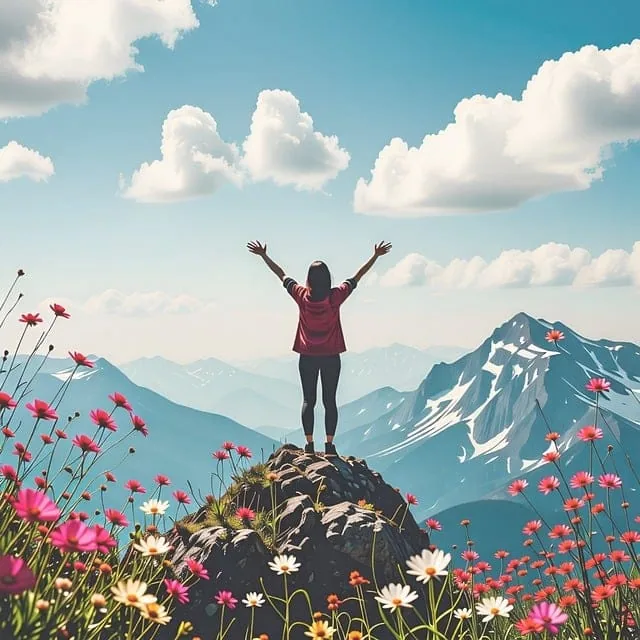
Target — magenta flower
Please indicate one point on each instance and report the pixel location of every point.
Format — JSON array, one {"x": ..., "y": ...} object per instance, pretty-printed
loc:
[
  {"x": 74, "y": 535},
  {"x": 243, "y": 452},
  {"x": 549, "y": 615},
  {"x": 134, "y": 486},
  {"x": 590, "y": 433},
  {"x": 177, "y": 590},
  {"x": 15, "y": 575},
  {"x": 139, "y": 425},
  {"x": 42, "y": 410},
  {"x": 609, "y": 481},
  {"x": 120, "y": 401},
  {"x": 244, "y": 513},
  {"x": 6, "y": 401},
  {"x": 104, "y": 541},
  {"x": 181, "y": 497},
  {"x": 102, "y": 419},
  {"x": 197, "y": 569},
  {"x": 598, "y": 385},
  {"x": 35, "y": 506},
  {"x": 8, "y": 472},
  {"x": 86, "y": 444},
  {"x": 162, "y": 480},
  {"x": 116, "y": 517},
  {"x": 80, "y": 359},
  {"x": 226, "y": 599},
  {"x": 220, "y": 455}
]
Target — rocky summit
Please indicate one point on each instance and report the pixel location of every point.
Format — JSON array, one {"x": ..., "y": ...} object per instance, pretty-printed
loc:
[{"x": 334, "y": 514}]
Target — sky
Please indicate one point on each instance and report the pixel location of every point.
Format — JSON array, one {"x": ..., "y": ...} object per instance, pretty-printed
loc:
[{"x": 144, "y": 143}]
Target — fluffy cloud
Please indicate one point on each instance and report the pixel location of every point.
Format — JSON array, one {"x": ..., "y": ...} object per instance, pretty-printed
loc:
[
  {"x": 142, "y": 304},
  {"x": 500, "y": 152},
  {"x": 195, "y": 161},
  {"x": 548, "y": 265},
  {"x": 52, "y": 50},
  {"x": 17, "y": 161},
  {"x": 284, "y": 147}
]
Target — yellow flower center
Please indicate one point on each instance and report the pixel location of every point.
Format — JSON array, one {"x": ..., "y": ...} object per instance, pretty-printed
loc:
[
  {"x": 132, "y": 597},
  {"x": 396, "y": 601},
  {"x": 495, "y": 611},
  {"x": 430, "y": 571},
  {"x": 284, "y": 567},
  {"x": 152, "y": 550}
]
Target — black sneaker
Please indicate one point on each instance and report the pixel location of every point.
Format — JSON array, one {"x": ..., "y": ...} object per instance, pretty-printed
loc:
[
  {"x": 308, "y": 448},
  {"x": 330, "y": 449}
]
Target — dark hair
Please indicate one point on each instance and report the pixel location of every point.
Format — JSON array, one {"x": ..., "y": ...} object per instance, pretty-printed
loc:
[{"x": 319, "y": 280}]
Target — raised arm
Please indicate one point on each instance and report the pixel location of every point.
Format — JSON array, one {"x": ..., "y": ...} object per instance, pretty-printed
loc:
[
  {"x": 261, "y": 250},
  {"x": 380, "y": 249}
]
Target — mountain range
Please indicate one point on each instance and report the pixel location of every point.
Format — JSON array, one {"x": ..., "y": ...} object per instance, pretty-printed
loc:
[{"x": 265, "y": 393}]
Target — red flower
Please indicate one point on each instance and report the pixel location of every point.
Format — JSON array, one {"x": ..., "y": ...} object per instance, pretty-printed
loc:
[
  {"x": 80, "y": 359},
  {"x": 8, "y": 472},
  {"x": 30, "y": 319},
  {"x": 551, "y": 456},
  {"x": 411, "y": 499},
  {"x": 554, "y": 335},
  {"x": 21, "y": 451},
  {"x": 500, "y": 554},
  {"x": 560, "y": 531},
  {"x": 120, "y": 401},
  {"x": 580, "y": 480},
  {"x": 109, "y": 477},
  {"x": 433, "y": 524},
  {"x": 161, "y": 480},
  {"x": 42, "y": 410},
  {"x": 61, "y": 434},
  {"x": 598, "y": 385},
  {"x": 7, "y": 433},
  {"x": 197, "y": 569},
  {"x": 573, "y": 504},
  {"x": 104, "y": 541},
  {"x": 527, "y": 626},
  {"x": 181, "y": 497},
  {"x": 116, "y": 517},
  {"x": 531, "y": 527},
  {"x": 226, "y": 599},
  {"x": 139, "y": 424},
  {"x": 134, "y": 486},
  {"x": 552, "y": 436},
  {"x": 243, "y": 452},
  {"x": 59, "y": 310},
  {"x": 46, "y": 438},
  {"x": 220, "y": 455},
  {"x": 6, "y": 401},
  {"x": 86, "y": 444},
  {"x": 228, "y": 446},
  {"x": 102, "y": 419},
  {"x": 602, "y": 591},
  {"x": 630, "y": 537},
  {"x": 609, "y": 481},
  {"x": 590, "y": 433},
  {"x": 517, "y": 486},
  {"x": 244, "y": 513},
  {"x": 548, "y": 484},
  {"x": 177, "y": 590}
]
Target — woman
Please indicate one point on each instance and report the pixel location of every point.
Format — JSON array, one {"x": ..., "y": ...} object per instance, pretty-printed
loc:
[{"x": 319, "y": 339}]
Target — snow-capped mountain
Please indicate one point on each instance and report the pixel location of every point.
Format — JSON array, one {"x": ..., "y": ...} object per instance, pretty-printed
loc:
[{"x": 476, "y": 424}]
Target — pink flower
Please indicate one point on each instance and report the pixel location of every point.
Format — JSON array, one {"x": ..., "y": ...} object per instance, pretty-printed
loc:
[
  {"x": 226, "y": 599},
  {"x": 6, "y": 401},
  {"x": 630, "y": 537},
  {"x": 120, "y": 401},
  {"x": 433, "y": 524},
  {"x": 548, "y": 484},
  {"x": 46, "y": 438},
  {"x": 59, "y": 310},
  {"x": 181, "y": 497},
  {"x": 35, "y": 506},
  {"x": 102, "y": 419},
  {"x": 580, "y": 480},
  {"x": 161, "y": 480},
  {"x": 244, "y": 513},
  {"x": 411, "y": 499},
  {"x": 243, "y": 452},
  {"x": 104, "y": 541},
  {"x": 197, "y": 569},
  {"x": 41, "y": 410},
  {"x": 7, "y": 471},
  {"x": 177, "y": 590},
  {"x": 134, "y": 486},
  {"x": 609, "y": 481},
  {"x": 21, "y": 451},
  {"x": 590, "y": 433},
  {"x": 598, "y": 385},
  {"x": 220, "y": 455},
  {"x": 551, "y": 456},
  {"x": 80, "y": 359},
  {"x": 228, "y": 446},
  {"x": 74, "y": 535},
  {"x": 573, "y": 504},
  {"x": 15, "y": 575},
  {"x": 531, "y": 527},
  {"x": 109, "y": 477},
  {"x": 30, "y": 319},
  {"x": 86, "y": 444},
  {"x": 116, "y": 517},
  {"x": 139, "y": 424},
  {"x": 560, "y": 531},
  {"x": 7, "y": 433},
  {"x": 517, "y": 486},
  {"x": 549, "y": 615}
]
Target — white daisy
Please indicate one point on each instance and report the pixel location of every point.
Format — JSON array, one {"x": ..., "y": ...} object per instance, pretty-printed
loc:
[
  {"x": 396, "y": 595},
  {"x": 430, "y": 564},
  {"x": 155, "y": 612},
  {"x": 284, "y": 564},
  {"x": 492, "y": 607},
  {"x": 155, "y": 507},
  {"x": 462, "y": 613},
  {"x": 132, "y": 593},
  {"x": 152, "y": 546},
  {"x": 253, "y": 599}
]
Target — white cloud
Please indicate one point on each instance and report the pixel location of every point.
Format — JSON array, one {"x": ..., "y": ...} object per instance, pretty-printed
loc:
[
  {"x": 52, "y": 50},
  {"x": 115, "y": 302},
  {"x": 17, "y": 161},
  {"x": 548, "y": 265},
  {"x": 282, "y": 145},
  {"x": 195, "y": 161},
  {"x": 500, "y": 152}
]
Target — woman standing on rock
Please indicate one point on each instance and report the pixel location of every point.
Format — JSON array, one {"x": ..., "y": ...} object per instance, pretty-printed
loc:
[{"x": 319, "y": 339}]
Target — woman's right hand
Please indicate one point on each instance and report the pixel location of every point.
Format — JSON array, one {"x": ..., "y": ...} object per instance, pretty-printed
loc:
[{"x": 381, "y": 249}]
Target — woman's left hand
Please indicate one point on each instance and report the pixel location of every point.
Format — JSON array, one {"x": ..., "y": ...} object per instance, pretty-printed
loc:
[{"x": 257, "y": 248}]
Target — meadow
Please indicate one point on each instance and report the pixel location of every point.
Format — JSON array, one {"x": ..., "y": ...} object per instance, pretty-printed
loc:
[{"x": 72, "y": 565}]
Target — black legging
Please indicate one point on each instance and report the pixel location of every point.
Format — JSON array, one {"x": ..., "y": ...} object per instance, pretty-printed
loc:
[{"x": 329, "y": 369}]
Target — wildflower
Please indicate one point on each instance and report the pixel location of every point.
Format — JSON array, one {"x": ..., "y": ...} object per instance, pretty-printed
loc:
[
  {"x": 531, "y": 527},
  {"x": 527, "y": 626},
  {"x": 30, "y": 319},
  {"x": 548, "y": 484},
  {"x": 429, "y": 564},
  {"x": 61, "y": 434},
  {"x": 573, "y": 504},
  {"x": 220, "y": 455},
  {"x": 284, "y": 564},
  {"x": 102, "y": 419},
  {"x": 177, "y": 590},
  {"x": 253, "y": 599},
  {"x": 42, "y": 605},
  {"x": 245, "y": 514},
  {"x": 35, "y": 506},
  {"x": 580, "y": 480},
  {"x": 433, "y": 524},
  {"x": 602, "y": 592},
  {"x": 411, "y": 499},
  {"x": 630, "y": 537},
  {"x": 154, "y": 507},
  {"x": 598, "y": 385},
  {"x": 554, "y": 335},
  {"x": 228, "y": 446},
  {"x": 120, "y": 401},
  {"x": 551, "y": 456},
  {"x": 155, "y": 612},
  {"x": 161, "y": 480},
  {"x": 493, "y": 606},
  {"x": 139, "y": 425},
  {"x": 6, "y": 401},
  {"x": 132, "y": 593},
  {"x": 560, "y": 531},
  {"x": 552, "y": 436},
  {"x": 549, "y": 615},
  {"x": 86, "y": 444},
  {"x": 15, "y": 575},
  {"x": 74, "y": 535},
  {"x": 226, "y": 599},
  {"x": 319, "y": 630},
  {"x": 152, "y": 546},
  {"x": 501, "y": 554},
  {"x": 41, "y": 410},
  {"x": 181, "y": 497},
  {"x": 333, "y": 602},
  {"x": 104, "y": 541},
  {"x": 609, "y": 481},
  {"x": 356, "y": 579},
  {"x": 134, "y": 486},
  {"x": 517, "y": 487},
  {"x": 59, "y": 311},
  {"x": 63, "y": 584},
  {"x": 7, "y": 471},
  {"x": 243, "y": 452},
  {"x": 46, "y": 438},
  {"x": 396, "y": 595},
  {"x": 463, "y": 613},
  {"x": 21, "y": 451},
  {"x": 109, "y": 477},
  {"x": 116, "y": 517},
  {"x": 80, "y": 359},
  {"x": 98, "y": 601},
  {"x": 353, "y": 635},
  {"x": 197, "y": 569},
  {"x": 7, "y": 433}
]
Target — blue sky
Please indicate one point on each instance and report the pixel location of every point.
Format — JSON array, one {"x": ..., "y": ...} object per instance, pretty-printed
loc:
[{"x": 365, "y": 71}]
